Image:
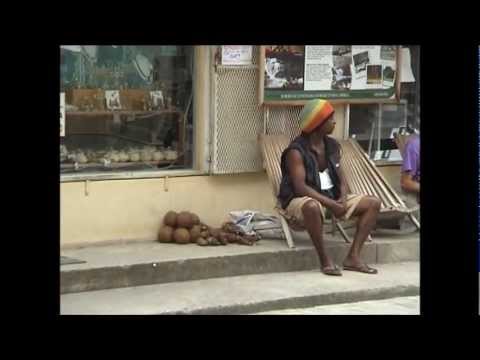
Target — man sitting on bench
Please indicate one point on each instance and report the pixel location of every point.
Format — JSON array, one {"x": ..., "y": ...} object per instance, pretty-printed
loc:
[{"x": 312, "y": 180}]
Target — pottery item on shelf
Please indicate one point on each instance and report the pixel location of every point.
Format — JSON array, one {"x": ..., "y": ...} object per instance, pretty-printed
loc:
[
  {"x": 158, "y": 156},
  {"x": 171, "y": 155},
  {"x": 81, "y": 158},
  {"x": 146, "y": 155},
  {"x": 123, "y": 156},
  {"x": 134, "y": 156}
]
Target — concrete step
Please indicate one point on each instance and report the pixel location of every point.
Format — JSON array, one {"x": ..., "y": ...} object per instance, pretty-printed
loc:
[
  {"x": 137, "y": 264},
  {"x": 405, "y": 305},
  {"x": 248, "y": 294}
]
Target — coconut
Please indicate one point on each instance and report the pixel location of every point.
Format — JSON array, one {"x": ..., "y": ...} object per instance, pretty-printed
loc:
[
  {"x": 231, "y": 238},
  {"x": 202, "y": 241},
  {"x": 181, "y": 236},
  {"x": 195, "y": 219},
  {"x": 212, "y": 241},
  {"x": 223, "y": 238},
  {"x": 184, "y": 219},
  {"x": 165, "y": 234},
  {"x": 215, "y": 233},
  {"x": 195, "y": 233},
  {"x": 170, "y": 219}
]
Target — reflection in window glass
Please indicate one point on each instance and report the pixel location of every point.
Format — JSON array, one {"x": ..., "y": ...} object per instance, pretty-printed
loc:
[
  {"x": 374, "y": 126},
  {"x": 126, "y": 108}
]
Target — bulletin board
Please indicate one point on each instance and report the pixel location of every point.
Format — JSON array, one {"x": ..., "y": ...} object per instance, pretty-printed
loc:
[{"x": 294, "y": 74}]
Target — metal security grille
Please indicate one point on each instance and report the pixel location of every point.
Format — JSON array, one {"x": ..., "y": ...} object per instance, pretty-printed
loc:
[
  {"x": 239, "y": 119},
  {"x": 283, "y": 120}
]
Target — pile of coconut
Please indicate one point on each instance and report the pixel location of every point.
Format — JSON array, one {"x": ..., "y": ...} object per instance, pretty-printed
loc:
[{"x": 185, "y": 227}]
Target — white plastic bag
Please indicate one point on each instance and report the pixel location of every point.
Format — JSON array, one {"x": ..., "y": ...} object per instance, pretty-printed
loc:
[{"x": 252, "y": 222}]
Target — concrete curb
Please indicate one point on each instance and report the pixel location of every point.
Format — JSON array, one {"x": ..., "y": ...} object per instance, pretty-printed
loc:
[{"x": 306, "y": 301}]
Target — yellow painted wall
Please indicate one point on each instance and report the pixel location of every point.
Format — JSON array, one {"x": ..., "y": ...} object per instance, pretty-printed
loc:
[
  {"x": 131, "y": 210},
  {"x": 124, "y": 210}
]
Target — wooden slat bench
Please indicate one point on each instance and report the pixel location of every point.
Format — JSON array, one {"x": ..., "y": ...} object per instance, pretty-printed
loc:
[{"x": 362, "y": 177}]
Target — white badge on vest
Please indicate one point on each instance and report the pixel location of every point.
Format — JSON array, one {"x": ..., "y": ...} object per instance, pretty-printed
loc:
[{"x": 325, "y": 180}]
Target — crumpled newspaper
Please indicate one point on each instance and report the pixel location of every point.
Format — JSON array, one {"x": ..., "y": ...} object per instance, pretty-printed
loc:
[{"x": 252, "y": 222}]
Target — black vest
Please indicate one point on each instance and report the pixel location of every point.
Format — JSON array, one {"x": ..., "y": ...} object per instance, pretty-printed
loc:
[{"x": 332, "y": 152}]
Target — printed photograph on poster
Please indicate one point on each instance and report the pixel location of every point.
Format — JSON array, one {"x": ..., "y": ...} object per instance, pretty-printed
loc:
[
  {"x": 342, "y": 50},
  {"x": 157, "y": 101},
  {"x": 387, "y": 53},
  {"x": 342, "y": 78},
  {"x": 388, "y": 76},
  {"x": 374, "y": 74},
  {"x": 62, "y": 114},
  {"x": 341, "y": 71},
  {"x": 113, "y": 99},
  {"x": 340, "y": 61},
  {"x": 284, "y": 67},
  {"x": 360, "y": 62}
]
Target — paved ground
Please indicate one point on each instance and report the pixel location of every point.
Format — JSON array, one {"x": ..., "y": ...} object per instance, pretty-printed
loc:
[{"x": 408, "y": 305}]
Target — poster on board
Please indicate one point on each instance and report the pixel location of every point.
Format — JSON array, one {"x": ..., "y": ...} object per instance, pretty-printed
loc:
[{"x": 340, "y": 73}]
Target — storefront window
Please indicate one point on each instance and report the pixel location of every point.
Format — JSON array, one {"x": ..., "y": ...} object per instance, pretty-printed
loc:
[
  {"x": 374, "y": 125},
  {"x": 127, "y": 108}
]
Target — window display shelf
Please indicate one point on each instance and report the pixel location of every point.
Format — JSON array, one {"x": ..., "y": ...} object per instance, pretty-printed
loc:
[
  {"x": 116, "y": 165},
  {"x": 123, "y": 112}
]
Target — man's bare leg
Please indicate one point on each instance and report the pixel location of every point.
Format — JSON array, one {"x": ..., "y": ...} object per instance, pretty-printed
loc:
[
  {"x": 367, "y": 211},
  {"x": 312, "y": 218}
]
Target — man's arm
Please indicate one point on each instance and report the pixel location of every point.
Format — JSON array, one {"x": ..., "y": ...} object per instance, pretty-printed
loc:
[
  {"x": 343, "y": 184},
  {"x": 297, "y": 174},
  {"x": 409, "y": 166}
]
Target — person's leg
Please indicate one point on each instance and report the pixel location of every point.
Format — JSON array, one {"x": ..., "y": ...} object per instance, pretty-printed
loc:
[
  {"x": 411, "y": 199},
  {"x": 313, "y": 222},
  {"x": 367, "y": 211}
]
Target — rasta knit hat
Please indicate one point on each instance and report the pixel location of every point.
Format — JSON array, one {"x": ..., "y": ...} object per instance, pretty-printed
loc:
[{"x": 315, "y": 113}]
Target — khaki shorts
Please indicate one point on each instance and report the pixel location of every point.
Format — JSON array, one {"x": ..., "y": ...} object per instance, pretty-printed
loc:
[{"x": 294, "y": 215}]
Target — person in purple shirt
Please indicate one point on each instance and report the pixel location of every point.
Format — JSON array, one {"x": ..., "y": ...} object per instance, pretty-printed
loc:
[{"x": 410, "y": 180}]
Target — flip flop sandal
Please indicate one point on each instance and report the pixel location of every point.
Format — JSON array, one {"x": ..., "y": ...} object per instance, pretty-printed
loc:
[
  {"x": 333, "y": 271},
  {"x": 363, "y": 269}
]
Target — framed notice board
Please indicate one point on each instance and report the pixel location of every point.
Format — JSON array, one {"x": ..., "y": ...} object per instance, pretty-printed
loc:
[{"x": 294, "y": 74}]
